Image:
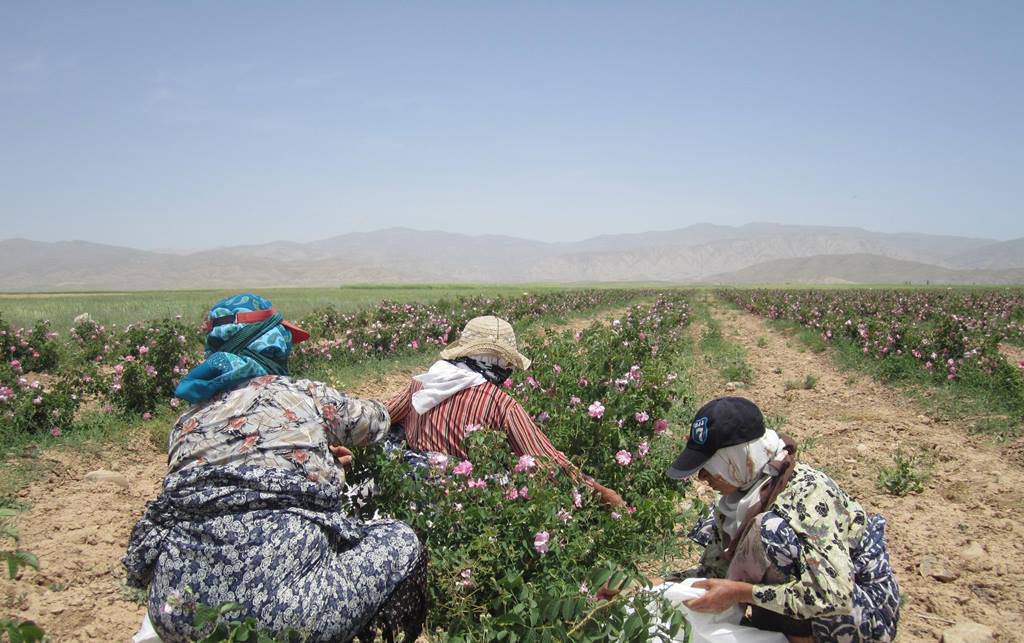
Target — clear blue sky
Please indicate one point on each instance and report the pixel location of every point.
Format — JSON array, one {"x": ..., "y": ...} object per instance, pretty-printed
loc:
[{"x": 197, "y": 124}]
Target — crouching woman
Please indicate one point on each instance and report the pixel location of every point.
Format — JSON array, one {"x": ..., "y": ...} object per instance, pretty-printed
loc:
[
  {"x": 250, "y": 511},
  {"x": 783, "y": 538}
]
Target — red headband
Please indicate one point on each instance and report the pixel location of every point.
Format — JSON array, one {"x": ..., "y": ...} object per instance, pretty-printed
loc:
[{"x": 298, "y": 335}]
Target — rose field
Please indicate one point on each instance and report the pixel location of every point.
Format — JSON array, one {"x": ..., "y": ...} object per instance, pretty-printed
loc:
[
  {"x": 517, "y": 550},
  {"x": 969, "y": 340}
]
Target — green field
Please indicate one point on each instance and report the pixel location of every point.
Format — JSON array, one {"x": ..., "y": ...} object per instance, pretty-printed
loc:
[{"x": 22, "y": 309}]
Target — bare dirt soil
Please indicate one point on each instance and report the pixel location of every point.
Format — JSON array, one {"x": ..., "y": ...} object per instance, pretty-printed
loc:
[
  {"x": 958, "y": 546},
  {"x": 78, "y": 528}
]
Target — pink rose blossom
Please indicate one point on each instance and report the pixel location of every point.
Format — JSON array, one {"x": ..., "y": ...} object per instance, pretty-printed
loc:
[
  {"x": 526, "y": 464},
  {"x": 512, "y": 494},
  {"x": 437, "y": 460},
  {"x": 55, "y": 431},
  {"x": 143, "y": 350},
  {"x": 575, "y": 401},
  {"x": 623, "y": 457},
  {"x": 507, "y": 383},
  {"x": 524, "y": 492},
  {"x": 660, "y": 426},
  {"x": 577, "y": 499},
  {"x": 147, "y": 416},
  {"x": 564, "y": 515},
  {"x": 596, "y": 410},
  {"x": 463, "y": 468},
  {"x": 540, "y": 542},
  {"x": 557, "y": 368},
  {"x": 641, "y": 417},
  {"x": 643, "y": 449},
  {"x": 37, "y": 400}
]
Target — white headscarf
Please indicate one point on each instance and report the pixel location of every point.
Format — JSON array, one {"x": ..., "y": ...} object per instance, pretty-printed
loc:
[
  {"x": 743, "y": 465},
  {"x": 445, "y": 379}
]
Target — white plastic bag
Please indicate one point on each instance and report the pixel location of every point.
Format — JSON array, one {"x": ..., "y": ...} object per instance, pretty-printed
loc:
[
  {"x": 723, "y": 627},
  {"x": 146, "y": 633}
]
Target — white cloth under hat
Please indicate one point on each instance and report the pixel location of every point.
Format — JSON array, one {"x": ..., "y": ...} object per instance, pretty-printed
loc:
[
  {"x": 743, "y": 466},
  {"x": 442, "y": 381}
]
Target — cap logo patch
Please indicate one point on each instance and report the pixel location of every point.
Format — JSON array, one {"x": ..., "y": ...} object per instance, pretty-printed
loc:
[{"x": 699, "y": 431}]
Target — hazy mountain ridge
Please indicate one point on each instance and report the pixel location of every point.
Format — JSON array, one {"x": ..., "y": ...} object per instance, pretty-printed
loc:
[
  {"x": 699, "y": 252},
  {"x": 861, "y": 268},
  {"x": 1003, "y": 255}
]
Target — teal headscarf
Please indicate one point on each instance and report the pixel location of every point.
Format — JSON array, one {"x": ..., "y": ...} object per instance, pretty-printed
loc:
[{"x": 236, "y": 353}]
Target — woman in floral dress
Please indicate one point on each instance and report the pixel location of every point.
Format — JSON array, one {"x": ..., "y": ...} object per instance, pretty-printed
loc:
[
  {"x": 250, "y": 511},
  {"x": 783, "y": 538}
]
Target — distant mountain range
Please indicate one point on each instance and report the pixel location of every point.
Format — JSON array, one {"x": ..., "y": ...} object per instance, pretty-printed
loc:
[{"x": 704, "y": 253}]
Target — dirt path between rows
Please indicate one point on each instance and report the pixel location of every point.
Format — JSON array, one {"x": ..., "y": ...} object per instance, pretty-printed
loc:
[
  {"x": 78, "y": 528},
  {"x": 964, "y": 527}
]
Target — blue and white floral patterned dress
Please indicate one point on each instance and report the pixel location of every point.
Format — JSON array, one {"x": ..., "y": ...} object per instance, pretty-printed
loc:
[{"x": 251, "y": 513}]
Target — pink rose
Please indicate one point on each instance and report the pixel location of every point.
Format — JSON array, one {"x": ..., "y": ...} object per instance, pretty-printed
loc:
[
  {"x": 526, "y": 464},
  {"x": 463, "y": 468},
  {"x": 540, "y": 542}
]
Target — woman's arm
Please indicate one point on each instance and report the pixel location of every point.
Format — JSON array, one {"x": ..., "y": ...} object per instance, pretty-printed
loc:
[
  {"x": 350, "y": 421},
  {"x": 399, "y": 404},
  {"x": 720, "y": 594},
  {"x": 525, "y": 438}
]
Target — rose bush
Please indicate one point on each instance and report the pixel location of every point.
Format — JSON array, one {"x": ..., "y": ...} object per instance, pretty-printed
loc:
[
  {"x": 518, "y": 548},
  {"x": 391, "y": 328},
  {"x": 152, "y": 358},
  {"x": 521, "y": 552}
]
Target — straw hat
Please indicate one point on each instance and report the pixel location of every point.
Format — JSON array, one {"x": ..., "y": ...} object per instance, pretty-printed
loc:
[{"x": 487, "y": 335}]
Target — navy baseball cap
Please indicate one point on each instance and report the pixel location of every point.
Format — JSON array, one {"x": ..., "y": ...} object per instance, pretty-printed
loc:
[{"x": 720, "y": 423}]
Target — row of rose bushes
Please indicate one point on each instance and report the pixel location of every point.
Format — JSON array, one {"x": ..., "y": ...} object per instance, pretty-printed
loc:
[
  {"x": 518, "y": 551},
  {"x": 946, "y": 335},
  {"x": 45, "y": 378}
]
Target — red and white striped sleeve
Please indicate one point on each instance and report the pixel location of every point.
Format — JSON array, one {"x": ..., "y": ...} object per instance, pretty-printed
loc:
[{"x": 526, "y": 438}]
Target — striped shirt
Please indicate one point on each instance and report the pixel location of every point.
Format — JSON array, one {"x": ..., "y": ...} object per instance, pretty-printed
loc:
[{"x": 443, "y": 427}]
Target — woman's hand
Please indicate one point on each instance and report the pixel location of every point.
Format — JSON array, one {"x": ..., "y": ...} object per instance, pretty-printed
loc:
[
  {"x": 342, "y": 455},
  {"x": 720, "y": 595},
  {"x": 609, "y": 498}
]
